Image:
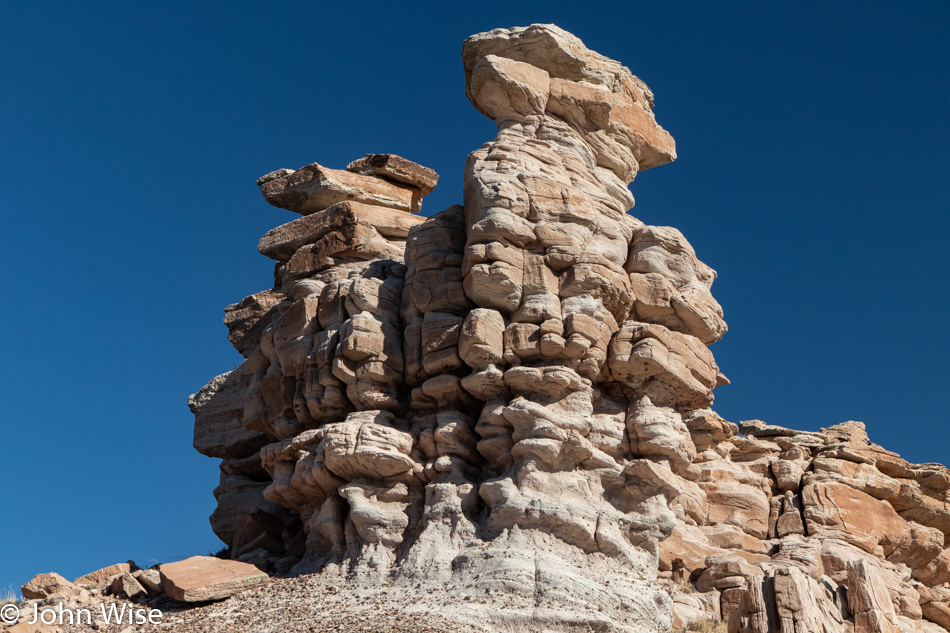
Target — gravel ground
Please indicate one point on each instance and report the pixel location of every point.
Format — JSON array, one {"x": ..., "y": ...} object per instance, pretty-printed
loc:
[
  {"x": 330, "y": 604},
  {"x": 303, "y": 604},
  {"x": 306, "y": 605}
]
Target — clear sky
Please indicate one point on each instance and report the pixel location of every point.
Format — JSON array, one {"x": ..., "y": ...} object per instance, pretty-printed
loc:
[{"x": 814, "y": 153}]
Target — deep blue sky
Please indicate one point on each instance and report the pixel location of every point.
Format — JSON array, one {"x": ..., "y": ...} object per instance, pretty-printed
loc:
[{"x": 814, "y": 151}]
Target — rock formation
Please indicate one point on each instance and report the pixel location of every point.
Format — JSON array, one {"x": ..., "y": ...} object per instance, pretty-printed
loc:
[
  {"x": 783, "y": 530},
  {"x": 510, "y": 399}
]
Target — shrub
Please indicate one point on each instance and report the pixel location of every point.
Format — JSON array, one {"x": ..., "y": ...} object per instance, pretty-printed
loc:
[{"x": 705, "y": 625}]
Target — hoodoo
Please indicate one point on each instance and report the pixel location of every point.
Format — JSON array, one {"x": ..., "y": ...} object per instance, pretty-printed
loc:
[{"x": 505, "y": 406}]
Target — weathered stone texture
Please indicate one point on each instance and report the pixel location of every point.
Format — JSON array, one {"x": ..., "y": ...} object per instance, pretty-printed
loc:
[
  {"x": 513, "y": 395},
  {"x": 203, "y": 578}
]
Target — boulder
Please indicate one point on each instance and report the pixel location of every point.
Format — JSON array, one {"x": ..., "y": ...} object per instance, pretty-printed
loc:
[
  {"x": 102, "y": 577},
  {"x": 205, "y": 578},
  {"x": 127, "y": 586},
  {"x": 50, "y": 585},
  {"x": 150, "y": 579}
]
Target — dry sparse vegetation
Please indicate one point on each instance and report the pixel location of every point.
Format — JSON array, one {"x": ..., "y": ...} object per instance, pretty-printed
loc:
[
  {"x": 705, "y": 625},
  {"x": 8, "y": 596}
]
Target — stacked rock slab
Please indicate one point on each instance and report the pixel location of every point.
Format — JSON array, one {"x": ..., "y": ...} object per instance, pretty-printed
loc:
[
  {"x": 324, "y": 364},
  {"x": 504, "y": 407}
]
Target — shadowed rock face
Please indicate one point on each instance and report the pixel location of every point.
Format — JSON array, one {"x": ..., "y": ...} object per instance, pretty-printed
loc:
[{"x": 508, "y": 400}]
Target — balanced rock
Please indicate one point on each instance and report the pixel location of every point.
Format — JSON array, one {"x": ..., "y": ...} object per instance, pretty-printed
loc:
[{"x": 379, "y": 180}]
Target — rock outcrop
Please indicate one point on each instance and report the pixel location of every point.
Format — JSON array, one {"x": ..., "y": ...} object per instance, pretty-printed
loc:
[
  {"x": 510, "y": 399},
  {"x": 784, "y": 530}
]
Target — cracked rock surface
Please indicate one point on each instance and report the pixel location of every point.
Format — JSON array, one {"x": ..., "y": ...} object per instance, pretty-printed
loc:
[{"x": 498, "y": 417}]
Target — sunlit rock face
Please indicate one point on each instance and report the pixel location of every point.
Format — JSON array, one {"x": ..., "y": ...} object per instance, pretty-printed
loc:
[
  {"x": 490, "y": 402},
  {"x": 503, "y": 410}
]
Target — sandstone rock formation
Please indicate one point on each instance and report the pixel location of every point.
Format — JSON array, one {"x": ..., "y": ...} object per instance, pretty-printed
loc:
[
  {"x": 783, "y": 530},
  {"x": 510, "y": 399}
]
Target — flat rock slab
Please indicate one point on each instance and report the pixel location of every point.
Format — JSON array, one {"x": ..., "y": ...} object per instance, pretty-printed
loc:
[
  {"x": 396, "y": 168},
  {"x": 205, "y": 578},
  {"x": 314, "y": 187},
  {"x": 282, "y": 242}
]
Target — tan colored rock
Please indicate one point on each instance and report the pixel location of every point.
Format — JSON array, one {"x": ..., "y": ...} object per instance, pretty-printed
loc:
[
  {"x": 367, "y": 445},
  {"x": 282, "y": 242},
  {"x": 740, "y": 505},
  {"x": 671, "y": 286},
  {"x": 511, "y": 397},
  {"x": 507, "y": 89},
  {"x": 204, "y": 578},
  {"x": 247, "y": 319},
  {"x": 314, "y": 188},
  {"x": 937, "y": 571},
  {"x": 785, "y": 599},
  {"x": 839, "y": 511},
  {"x": 725, "y": 536},
  {"x": 666, "y": 366},
  {"x": 708, "y": 429},
  {"x": 102, "y": 577},
  {"x": 788, "y": 474},
  {"x": 50, "y": 585},
  {"x": 150, "y": 579},
  {"x": 935, "y": 605},
  {"x": 481, "y": 341},
  {"x": 127, "y": 586},
  {"x": 219, "y": 414},
  {"x": 869, "y": 601},
  {"x": 433, "y": 259},
  {"x": 659, "y": 434},
  {"x": 587, "y": 81},
  {"x": 790, "y": 520},
  {"x": 355, "y": 243},
  {"x": 688, "y": 545},
  {"x": 803, "y": 604},
  {"x": 396, "y": 168}
]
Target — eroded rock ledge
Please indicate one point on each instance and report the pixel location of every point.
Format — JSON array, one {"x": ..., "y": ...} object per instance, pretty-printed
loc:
[{"x": 510, "y": 398}]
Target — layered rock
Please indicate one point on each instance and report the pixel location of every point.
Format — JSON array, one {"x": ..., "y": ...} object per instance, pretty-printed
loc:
[
  {"x": 321, "y": 346},
  {"x": 510, "y": 398},
  {"x": 785, "y": 530},
  {"x": 578, "y": 386}
]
